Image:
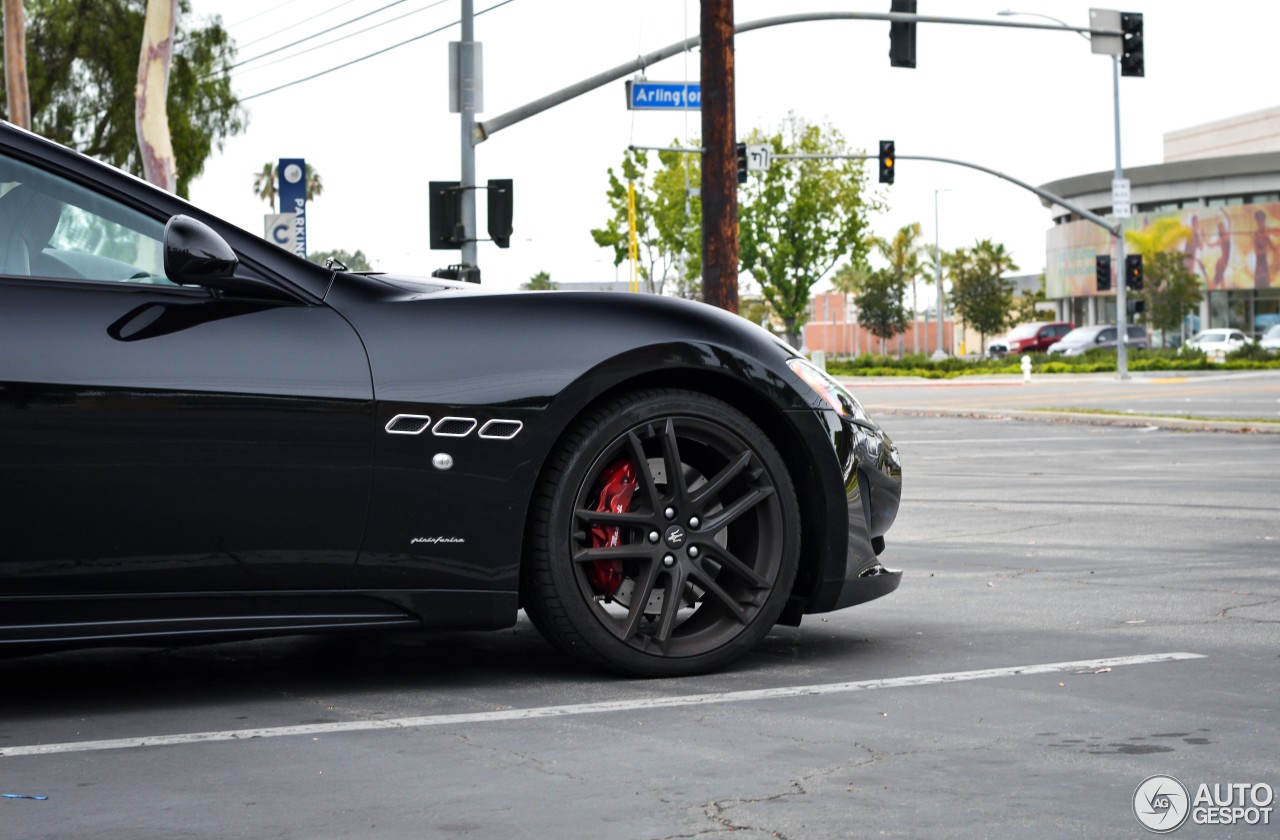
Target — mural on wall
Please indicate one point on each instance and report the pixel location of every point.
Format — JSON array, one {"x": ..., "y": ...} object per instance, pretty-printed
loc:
[{"x": 1234, "y": 247}]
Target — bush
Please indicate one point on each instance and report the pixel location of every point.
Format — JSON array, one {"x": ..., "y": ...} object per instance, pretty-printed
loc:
[
  {"x": 1095, "y": 361},
  {"x": 1250, "y": 351}
]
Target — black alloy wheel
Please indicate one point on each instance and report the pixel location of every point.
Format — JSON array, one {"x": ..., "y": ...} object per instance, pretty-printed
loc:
[{"x": 663, "y": 538}]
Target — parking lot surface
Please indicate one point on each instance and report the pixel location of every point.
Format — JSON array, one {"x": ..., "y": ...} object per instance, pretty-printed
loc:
[{"x": 1082, "y": 607}]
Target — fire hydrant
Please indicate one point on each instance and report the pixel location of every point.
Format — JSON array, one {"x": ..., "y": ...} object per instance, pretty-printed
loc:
[{"x": 1026, "y": 368}]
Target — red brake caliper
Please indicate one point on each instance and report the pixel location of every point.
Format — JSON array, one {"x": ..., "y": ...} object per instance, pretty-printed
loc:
[{"x": 619, "y": 480}]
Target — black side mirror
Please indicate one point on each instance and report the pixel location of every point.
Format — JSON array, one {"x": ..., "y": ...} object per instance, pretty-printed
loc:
[{"x": 194, "y": 255}]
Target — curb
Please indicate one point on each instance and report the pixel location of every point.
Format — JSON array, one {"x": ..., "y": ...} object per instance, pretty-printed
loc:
[{"x": 1076, "y": 418}]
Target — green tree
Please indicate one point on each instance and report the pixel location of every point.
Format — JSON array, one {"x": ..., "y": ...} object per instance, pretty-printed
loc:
[
  {"x": 879, "y": 301},
  {"x": 1170, "y": 290},
  {"x": 354, "y": 261},
  {"x": 539, "y": 282},
  {"x": 799, "y": 218},
  {"x": 980, "y": 293},
  {"x": 1024, "y": 305},
  {"x": 903, "y": 253},
  {"x": 266, "y": 183},
  {"x": 668, "y": 219},
  {"x": 82, "y": 62}
]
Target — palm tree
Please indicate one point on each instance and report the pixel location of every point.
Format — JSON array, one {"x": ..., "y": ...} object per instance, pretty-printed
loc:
[
  {"x": 903, "y": 253},
  {"x": 847, "y": 280},
  {"x": 1161, "y": 235},
  {"x": 265, "y": 181}
]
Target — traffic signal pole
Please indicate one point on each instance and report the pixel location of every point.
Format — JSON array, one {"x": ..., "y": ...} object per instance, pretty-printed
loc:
[
  {"x": 467, "y": 83},
  {"x": 1122, "y": 313}
]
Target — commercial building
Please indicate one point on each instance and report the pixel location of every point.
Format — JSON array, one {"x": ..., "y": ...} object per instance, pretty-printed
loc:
[{"x": 1222, "y": 180}]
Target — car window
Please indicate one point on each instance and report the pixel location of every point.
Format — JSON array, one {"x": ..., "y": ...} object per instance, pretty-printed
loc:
[
  {"x": 53, "y": 228},
  {"x": 1106, "y": 335},
  {"x": 1136, "y": 332}
]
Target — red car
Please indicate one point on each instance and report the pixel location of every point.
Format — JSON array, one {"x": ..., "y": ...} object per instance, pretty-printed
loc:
[{"x": 1036, "y": 336}]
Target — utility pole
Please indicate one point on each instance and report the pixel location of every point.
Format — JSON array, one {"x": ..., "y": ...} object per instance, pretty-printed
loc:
[{"x": 719, "y": 159}]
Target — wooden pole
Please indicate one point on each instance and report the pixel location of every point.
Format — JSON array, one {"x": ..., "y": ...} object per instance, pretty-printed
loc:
[
  {"x": 15, "y": 64},
  {"x": 719, "y": 161}
]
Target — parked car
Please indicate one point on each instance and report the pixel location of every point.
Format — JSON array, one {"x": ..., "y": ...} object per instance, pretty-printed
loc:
[
  {"x": 1271, "y": 339},
  {"x": 1217, "y": 343},
  {"x": 1035, "y": 337},
  {"x": 205, "y": 437},
  {"x": 1098, "y": 337}
]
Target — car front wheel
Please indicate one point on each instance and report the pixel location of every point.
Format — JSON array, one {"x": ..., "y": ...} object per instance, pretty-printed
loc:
[{"x": 663, "y": 536}]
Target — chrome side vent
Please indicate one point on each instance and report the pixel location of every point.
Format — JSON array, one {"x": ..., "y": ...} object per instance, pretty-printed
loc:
[
  {"x": 408, "y": 424},
  {"x": 501, "y": 429},
  {"x": 454, "y": 427}
]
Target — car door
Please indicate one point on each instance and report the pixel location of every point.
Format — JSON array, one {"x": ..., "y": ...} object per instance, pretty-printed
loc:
[{"x": 158, "y": 438}]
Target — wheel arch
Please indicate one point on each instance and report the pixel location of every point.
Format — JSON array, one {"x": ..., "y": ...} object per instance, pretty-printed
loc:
[{"x": 815, "y": 529}]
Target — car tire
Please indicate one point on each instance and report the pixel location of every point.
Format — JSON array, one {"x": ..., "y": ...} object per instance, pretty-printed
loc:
[{"x": 633, "y": 570}]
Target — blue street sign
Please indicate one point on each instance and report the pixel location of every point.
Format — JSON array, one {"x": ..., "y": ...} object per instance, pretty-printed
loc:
[
  {"x": 293, "y": 199},
  {"x": 663, "y": 96}
]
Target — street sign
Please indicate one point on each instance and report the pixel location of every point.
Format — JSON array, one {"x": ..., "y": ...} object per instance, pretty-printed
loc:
[
  {"x": 1120, "y": 207},
  {"x": 277, "y": 228},
  {"x": 293, "y": 199},
  {"x": 757, "y": 157},
  {"x": 643, "y": 95}
]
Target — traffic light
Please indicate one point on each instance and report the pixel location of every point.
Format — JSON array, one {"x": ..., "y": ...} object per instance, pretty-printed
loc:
[
  {"x": 499, "y": 206},
  {"x": 902, "y": 36},
  {"x": 886, "y": 161},
  {"x": 1133, "y": 272},
  {"x": 1131, "y": 61},
  {"x": 444, "y": 204},
  {"x": 742, "y": 163},
  {"x": 1102, "y": 270}
]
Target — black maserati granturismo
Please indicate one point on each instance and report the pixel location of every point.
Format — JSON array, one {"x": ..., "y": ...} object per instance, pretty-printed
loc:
[{"x": 204, "y": 437}]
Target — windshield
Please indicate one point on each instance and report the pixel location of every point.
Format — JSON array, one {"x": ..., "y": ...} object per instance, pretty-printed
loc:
[
  {"x": 1025, "y": 331},
  {"x": 1209, "y": 338},
  {"x": 1274, "y": 332},
  {"x": 1080, "y": 335}
]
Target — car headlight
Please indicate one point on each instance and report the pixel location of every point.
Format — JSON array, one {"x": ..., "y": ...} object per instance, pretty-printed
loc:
[{"x": 836, "y": 395}]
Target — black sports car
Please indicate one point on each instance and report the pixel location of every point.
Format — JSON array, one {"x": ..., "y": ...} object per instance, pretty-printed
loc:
[{"x": 204, "y": 437}]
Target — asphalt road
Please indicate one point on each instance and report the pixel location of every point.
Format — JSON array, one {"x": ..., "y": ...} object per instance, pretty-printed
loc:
[
  {"x": 1023, "y": 544},
  {"x": 1240, "y": 395}
]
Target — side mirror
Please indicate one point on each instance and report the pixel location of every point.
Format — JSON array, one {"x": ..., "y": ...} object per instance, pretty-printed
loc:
[{"x": 194, "y": 255}]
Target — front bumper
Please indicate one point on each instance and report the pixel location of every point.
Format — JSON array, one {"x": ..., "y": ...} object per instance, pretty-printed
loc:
[{"x": 872, "y": 474}]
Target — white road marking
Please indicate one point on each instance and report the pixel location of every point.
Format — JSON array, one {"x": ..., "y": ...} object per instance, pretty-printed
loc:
[{"x": 1087, "y": 665}]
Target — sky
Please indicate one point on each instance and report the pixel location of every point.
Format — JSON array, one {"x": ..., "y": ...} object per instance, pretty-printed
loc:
[{"x": 1036, "y": 105}]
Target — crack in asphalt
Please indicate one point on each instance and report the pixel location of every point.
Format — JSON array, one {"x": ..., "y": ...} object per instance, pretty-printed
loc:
[
  {"x": 538, "y": 765},
  {"x": 1270, "y": 601},
  {"x": 717, "y": 810}
]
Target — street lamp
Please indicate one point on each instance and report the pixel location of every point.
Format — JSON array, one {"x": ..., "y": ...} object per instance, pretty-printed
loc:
[
  {"x": 1122, "y": 328},
  {"x": 937, "y": 272}
]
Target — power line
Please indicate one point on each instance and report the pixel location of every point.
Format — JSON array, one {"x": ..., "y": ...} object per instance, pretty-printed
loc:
[
  {"x": 260, "y": 14},
  {"x": 344, "y": 37},
  {"x": 318, "y": 34},
  {"x": 297, "y": 23},
  {"x": 370, "y": 55}
]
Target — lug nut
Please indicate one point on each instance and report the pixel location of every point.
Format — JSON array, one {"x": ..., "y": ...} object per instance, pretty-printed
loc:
[
  {"x": 670, "y": 513},
  {"x": 694, "y": 522},
  {"x": 654, "y": 536},
  {"x": 693, "y": 551},
  {"x": 668, "y": 560}
]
